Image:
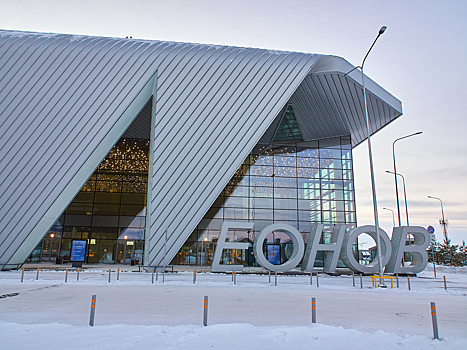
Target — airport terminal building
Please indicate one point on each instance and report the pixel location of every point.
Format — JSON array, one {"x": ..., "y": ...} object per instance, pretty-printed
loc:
[{"x": 142, "y": 149}]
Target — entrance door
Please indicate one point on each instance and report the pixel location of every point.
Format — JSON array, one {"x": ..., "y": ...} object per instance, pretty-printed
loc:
[
  {"x": 50, "y": 249},
  {"x": 125, "y": 251},
  {"x": 129, "y": 252}
]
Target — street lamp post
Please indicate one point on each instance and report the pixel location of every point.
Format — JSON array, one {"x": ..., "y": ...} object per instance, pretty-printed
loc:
[
  {"x": 442, "y": 223},
  {"x": 405, "y": 195},
  {"x": 373, "y": 186},
  {"x": 395, "y": 176},
  {"x": 395, "y": 171},
  {"x": 393, "y": 220}
]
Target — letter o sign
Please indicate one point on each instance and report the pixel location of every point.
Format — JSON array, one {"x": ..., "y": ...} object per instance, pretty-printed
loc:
[
  {"x": 348, "y": 258},
  {"x": 297, "y": 253}
]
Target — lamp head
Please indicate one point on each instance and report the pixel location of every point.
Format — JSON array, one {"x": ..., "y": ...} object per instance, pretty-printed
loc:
[
  {"x": 381, "y": 31},
  {"x": 418, "y": 133}
]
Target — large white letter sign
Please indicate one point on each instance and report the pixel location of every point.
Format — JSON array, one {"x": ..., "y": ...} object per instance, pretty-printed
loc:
[
  {"x": 297, "y": 253},
  {"x": 418, "y": 250},
  {"x": 347, "y": 252},
  {"x": 333, "y": 248},
  {"x": 222, "y": 244}
]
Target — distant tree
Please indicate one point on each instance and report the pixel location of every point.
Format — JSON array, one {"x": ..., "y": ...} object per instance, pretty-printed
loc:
[
  {"x": 434, "y": 246},
  {"x": 460, "y": 258},
  {"x": 447, "y": 251}
]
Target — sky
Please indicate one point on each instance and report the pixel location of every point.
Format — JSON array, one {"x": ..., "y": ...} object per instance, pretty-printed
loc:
[{"x": 420, "y": 59}]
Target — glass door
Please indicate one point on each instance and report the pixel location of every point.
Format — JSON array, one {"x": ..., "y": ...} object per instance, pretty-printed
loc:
[
  {"x": 129, "y": 252},
  {"x": 50, "y": 249},
  {"x": 46, "y": 247}
]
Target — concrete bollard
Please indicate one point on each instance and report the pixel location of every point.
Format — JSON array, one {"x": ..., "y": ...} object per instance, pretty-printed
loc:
[
  {"x": 77, "y": 276},
  {"x": 157, "y": 274},
  {"x": 353, "y": 279},
  {"x": 109, "y": 275},
  {"x": 163, "y": 276},
  {"x": 152, "y": 277},
  {"x": 66, "y": 276},
  {"x": 445, "y": 285},
  {"x": 93, "y": 310},
  {"x": 361, "y": 281},
  {"x": 408, "y": 282},
  {"x": 317, "y": 281},
  {"x": 235, "y": 278},
  {"x": 194, "y": 277},
  {"x": 205, "y": 316},
  {"x": 22, "y": 275},
  {"x": 313, "y": 310},
  {"x": 397, "y": 280},
  {"x": 311, "y": 278},
  {"x": 269, "y": 277},
  {"x": 118, "y": 274},
  {"x": 275, "y": 279},
  {"x": 434, "y": 320},
  {"x": 232, "y": 275},
  {"x": 37, "y": 275}
]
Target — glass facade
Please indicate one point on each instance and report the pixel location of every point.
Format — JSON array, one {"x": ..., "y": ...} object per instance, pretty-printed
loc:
[
  {"x": 297, "y": 183},
  {"x": 290, "y": 181},
  {"x": 109, "y": 211}
]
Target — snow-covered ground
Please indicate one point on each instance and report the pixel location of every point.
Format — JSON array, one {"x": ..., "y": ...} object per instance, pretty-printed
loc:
[{"x": 253, "y": 314}]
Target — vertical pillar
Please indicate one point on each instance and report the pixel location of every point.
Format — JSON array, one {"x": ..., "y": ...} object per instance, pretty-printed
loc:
[
  {"x": 147, "y": 231},
  {"x": 93, "y": 310},
  {"x": 313, "y": 310},
  {"x": 205, "y": 316},
  {"x": 434, "y": 320}
]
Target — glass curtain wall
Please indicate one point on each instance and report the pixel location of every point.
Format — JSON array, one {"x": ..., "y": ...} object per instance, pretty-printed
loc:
[
  {"x": 297, "y": 183},
  {"x": 109, "y": 211}
]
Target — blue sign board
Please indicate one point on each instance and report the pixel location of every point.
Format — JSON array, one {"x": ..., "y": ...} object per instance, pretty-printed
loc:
[
  {"x": 78, "y": 251},
  {"x": 274, "y": 253},
  {"x": 430, "y": 229}
]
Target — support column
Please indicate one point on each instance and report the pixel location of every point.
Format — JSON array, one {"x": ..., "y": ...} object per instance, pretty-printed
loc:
[{"x": 147, "y": 231}]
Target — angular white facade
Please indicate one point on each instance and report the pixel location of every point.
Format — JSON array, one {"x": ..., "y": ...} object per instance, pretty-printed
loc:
[{"x": 66, "y": 100}]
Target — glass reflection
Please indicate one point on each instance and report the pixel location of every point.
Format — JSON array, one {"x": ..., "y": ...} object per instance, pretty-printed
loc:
[{"x": 289, "y": 183}]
